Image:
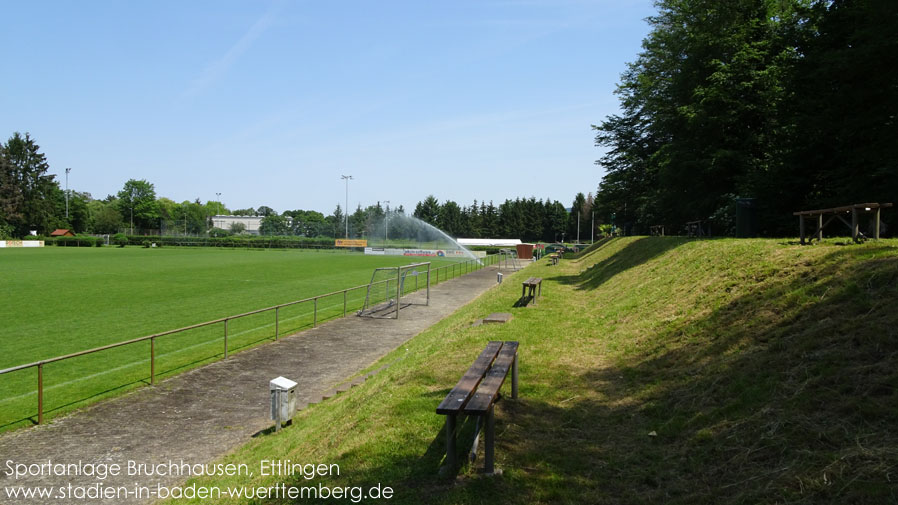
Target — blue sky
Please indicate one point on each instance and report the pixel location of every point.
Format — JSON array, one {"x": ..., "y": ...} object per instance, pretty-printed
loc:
[{"x": 269, "y": 103}]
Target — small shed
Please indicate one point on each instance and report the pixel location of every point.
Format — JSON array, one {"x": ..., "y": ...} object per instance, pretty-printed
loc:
[
  {"x": 525, "y": 251},
  {"x": 59, "y": 232}
]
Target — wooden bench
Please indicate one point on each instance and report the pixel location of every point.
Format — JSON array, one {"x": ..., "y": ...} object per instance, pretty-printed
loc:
[
  {"x": 697, "y": 229},
  {"x": 554, "y": 258},
  {"x": 476, "y": 393},
  {"x": 535, "y": 287}
]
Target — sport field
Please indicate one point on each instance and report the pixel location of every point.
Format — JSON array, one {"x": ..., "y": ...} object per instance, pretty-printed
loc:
[
  {"x": 654, "y": 370},
  {"x": 58, "y": 301}
]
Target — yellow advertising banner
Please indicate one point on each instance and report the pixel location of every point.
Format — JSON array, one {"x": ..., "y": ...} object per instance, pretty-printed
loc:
[{"x": 345, "y": 242}]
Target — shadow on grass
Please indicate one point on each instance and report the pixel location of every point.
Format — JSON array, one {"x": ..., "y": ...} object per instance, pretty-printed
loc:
[
  {"x": 634, "y": 254},
  {"x": 786, "y": 394},
  {"x": 760, "y": 402}
]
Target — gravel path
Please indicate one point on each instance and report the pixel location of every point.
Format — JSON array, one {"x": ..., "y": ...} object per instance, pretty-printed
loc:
[{"x": 202, "y": 414}]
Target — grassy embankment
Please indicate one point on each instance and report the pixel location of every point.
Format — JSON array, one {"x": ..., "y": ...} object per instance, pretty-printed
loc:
[
  {"x": 58, "y": 301},
  {"x": 654, "y": 370}
]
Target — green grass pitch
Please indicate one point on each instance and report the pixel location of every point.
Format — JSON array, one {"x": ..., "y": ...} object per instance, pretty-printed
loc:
[{"x": 58, "y": 301}]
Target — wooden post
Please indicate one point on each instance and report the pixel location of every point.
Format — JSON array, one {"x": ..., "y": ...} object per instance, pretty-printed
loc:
[
  {"x": 226, "y": 339},
  {"x": 854, "y": 224},
  {"x": 276, "y": 322},
  {"x": 801, "y": 229},
  {"x": 819, "y": 228},
  {"x": 876, "y": 224},
  {"x": 315, "y": 313}
]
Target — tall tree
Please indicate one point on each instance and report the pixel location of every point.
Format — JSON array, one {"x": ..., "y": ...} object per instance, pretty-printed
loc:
[
  {"x": 428, "y": 210},
  {"x": 338, "y": 222},
  {"x": 274, "y": 224},
  {"x": 575, "y": 220},
  {"x": 137, "y": 204},
  {"x": 27, "y": 193},
  {"x": 701, "y": 109},
  {"x": 450, "y": 218},
  {"x": 104, "y": 217}
]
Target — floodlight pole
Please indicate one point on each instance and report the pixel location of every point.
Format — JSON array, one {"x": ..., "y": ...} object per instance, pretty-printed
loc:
[
  {"x": 386, "y": 222},
  {"x": 346, "y": 209},
  {"x": 67, "y": 193}
]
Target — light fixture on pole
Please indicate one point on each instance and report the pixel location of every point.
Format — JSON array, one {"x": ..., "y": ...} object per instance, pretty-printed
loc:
[
  {"x": 346, "y": 209},
  {"x": 67, "y": 193},
  {"x": 592, "y": 232}
]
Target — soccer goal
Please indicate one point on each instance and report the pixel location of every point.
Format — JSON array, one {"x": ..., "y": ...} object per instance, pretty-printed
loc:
[{"x": 395, "y": 288}]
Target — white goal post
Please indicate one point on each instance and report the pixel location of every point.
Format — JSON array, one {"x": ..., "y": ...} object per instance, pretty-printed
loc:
[{"x": 395, "y": 288}]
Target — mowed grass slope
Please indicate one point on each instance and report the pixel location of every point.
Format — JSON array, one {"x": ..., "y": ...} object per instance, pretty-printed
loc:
[
  {"x": 58, "y": 301},
  {"x": 654, "y": 370}
]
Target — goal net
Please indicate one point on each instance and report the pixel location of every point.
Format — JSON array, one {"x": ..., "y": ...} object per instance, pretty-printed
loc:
[{"x": 395, "y": 288}]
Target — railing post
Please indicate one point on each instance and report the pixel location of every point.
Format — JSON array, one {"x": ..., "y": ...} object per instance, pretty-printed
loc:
[
  {"x": 315, "y": 312},
  {"x": 226, "y": 339},
  {"x": 277, "y": 320},
  {"x": 153, "y": 361},
  {"x": 40, "y": 393},
  {"x": 398, "y": 290},
  {"x": 344, "y": 303}
]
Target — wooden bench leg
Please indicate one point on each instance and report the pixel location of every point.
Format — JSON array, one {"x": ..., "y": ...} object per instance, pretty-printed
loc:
[
  {"x": 514, "y": 377},
  {"x": 489, "y": 448},
  {"x": 450, "y": 442}
]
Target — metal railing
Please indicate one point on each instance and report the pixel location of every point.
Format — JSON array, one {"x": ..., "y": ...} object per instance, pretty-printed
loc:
[{"x": 449, "y": 272}]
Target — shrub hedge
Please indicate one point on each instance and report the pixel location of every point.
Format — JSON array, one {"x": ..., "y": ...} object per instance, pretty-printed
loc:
[
  {"x": 237, "y": 241},
  {"x": 76, "y": 241}
]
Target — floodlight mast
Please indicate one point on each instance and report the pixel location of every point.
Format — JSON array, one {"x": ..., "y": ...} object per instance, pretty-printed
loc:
[
  {"x": 386, "y": 221},
  {"x": 67, "y": 193},
  {"x": 346, "y": 209}
]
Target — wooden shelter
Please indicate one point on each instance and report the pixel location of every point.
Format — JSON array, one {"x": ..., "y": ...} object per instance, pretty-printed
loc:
[{"x": 839, "y": 213}]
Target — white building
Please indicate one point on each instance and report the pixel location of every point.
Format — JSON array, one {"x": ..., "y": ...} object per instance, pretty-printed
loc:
[
  {"x": 489, "y": 242},
  {"x": 251, "y": 223}
]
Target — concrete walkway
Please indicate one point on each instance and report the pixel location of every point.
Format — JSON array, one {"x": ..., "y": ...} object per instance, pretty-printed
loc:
[{"x": 202, "y": 414}]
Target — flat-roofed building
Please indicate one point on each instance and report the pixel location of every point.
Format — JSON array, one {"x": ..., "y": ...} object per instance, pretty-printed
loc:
[{"x": 251, "y": 223}]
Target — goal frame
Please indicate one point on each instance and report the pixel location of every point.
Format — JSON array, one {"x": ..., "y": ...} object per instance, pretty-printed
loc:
[{"x": 402, "y": 273}]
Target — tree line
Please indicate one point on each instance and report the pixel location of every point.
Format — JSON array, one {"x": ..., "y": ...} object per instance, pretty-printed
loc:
[
  {"x": 32, "y": 200},
  {"x": 529, "y": 219},
  {"x": 777, "y": 106}
]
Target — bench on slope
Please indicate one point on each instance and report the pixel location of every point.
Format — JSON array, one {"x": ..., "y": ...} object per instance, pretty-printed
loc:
[{"x": 476, "y": 394}]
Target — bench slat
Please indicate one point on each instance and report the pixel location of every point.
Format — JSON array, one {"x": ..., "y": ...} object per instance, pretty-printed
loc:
[
  {"x": 461, "y": 393},
  {"x": 488, "y": 389}
]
